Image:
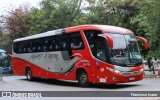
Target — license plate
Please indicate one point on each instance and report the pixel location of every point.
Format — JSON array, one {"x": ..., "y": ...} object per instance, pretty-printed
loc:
[
  {"x": 102, "y": 80},
  {"x": 132, "y": 78}
]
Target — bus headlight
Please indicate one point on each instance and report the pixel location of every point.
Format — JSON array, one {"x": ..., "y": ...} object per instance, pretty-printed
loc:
[
  {"x": 117, "y": 71},
  {"x": 141, "y": 70},
  {"x": 114, "y": 70}
]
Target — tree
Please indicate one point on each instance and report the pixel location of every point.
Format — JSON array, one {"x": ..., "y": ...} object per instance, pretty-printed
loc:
[
  {"x": 112, "y": 12},
  {"x": 5, "y": 42},
  {"x": 55, "y": 14},
  {"x": 148, "y": 19},
  {"x": 16, "y": 23}
]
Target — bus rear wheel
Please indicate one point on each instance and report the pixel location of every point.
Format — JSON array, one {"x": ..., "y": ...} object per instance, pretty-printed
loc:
[
  {"x": 83, "y": 79},
  {"x": 29, "y": 74}
]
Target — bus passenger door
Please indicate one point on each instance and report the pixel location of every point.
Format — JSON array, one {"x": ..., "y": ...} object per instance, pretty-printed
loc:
[{"x": 102, "y": 57}]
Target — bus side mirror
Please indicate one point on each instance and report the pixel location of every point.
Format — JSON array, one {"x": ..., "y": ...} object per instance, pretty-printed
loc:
[
  {"x": 108, "y": 38},
  {"x": 144, "y": 41}
]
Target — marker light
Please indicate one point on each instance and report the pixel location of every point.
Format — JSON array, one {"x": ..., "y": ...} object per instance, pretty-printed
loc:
[{"x": 114, "y": 70}]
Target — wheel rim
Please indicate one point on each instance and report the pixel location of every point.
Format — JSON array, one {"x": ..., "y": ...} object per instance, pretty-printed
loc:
[
  {"x": 83, "y": 78},
  {"x": 29, "y": 75}
]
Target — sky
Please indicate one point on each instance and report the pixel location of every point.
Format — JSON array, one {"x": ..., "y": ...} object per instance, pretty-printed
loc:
[{"x": 8, "y": 4}]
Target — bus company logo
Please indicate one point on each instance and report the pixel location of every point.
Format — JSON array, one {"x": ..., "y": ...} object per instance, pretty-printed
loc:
[
  {"x": 132, "y": 73},
  {"x": 21, "y": 94},
  {"x": 6, "y": 94}
]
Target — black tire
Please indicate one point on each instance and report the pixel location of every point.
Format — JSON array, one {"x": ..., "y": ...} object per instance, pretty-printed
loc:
[
  {"x": 29, "y": 74},
  {"x": 83, "y": 79}
]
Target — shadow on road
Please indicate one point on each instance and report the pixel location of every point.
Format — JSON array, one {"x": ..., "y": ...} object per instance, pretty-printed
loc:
[
  {"x": 114, "y": 86},
  {"x": 54, "y": 82},
  {"x": 75, "y": 84}
]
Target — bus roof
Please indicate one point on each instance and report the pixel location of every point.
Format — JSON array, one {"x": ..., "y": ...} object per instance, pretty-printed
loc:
[
  {"x": 105, "y": 28},
  {"x": 45, "y": 34}
]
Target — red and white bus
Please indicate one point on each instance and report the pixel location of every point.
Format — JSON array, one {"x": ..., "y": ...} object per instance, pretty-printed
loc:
[{"x": 87, "y": 53}]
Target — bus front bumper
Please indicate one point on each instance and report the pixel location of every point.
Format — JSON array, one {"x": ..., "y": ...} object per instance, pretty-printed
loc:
[{"x": 117, "y": 78}]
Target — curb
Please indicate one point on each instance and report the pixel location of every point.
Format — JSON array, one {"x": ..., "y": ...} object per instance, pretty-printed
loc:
[
  {"x": 9, "y": 75},
  {"x": 156, "y": 76}
]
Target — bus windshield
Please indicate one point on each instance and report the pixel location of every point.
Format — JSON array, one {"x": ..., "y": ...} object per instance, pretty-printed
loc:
[{"x": 125, "y": 51}]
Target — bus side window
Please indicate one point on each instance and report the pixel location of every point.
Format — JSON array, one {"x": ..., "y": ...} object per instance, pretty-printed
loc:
[
  {"x": 63, "y": 45},
  {"x": 41, "y": 45},
  {"x": 17, "y": 47},
  {"x": 20, "y": 47},
  {"x": 24, "y": 47},
  {"x": 30, "y": 47},
  {"x": 33, "y": 46},
  {"x": 52, "y": 45},
  {"x": 37, "y": 44},
  {"x": 101, "y": 52},
  {"x": 63, "y": 42},
  {"x": 27, "y": 46},
  {"x": 56, "y": 47},
  {"x": 91, "y": 36},
  {"x": 75, "y": 41},
  {"x": 45, "y": 45}
]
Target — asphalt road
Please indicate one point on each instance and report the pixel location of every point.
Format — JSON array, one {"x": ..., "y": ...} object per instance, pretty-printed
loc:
[{"x": 19, "y": 83}]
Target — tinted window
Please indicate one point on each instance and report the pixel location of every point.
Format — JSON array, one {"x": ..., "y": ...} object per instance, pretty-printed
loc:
[
  {"x": 62, "y": 42},
  {"x": 91, "y": 36},
  {"x": 75, "y": 41},
  {"x": 71, "y": 41},
  {"x": 101, "y": 51}
]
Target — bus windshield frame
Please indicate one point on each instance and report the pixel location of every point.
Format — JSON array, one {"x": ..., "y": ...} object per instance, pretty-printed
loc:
[{"x": 125, "y": 51}]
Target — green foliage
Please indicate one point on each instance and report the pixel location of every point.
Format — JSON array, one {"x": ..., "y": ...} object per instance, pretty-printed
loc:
[
  {"x": 112, "y": 12},
  {"x": 148, "y": 19},
  {"x": 141, "y": 16},
  {"x": 5, "y": 42},
  {"x": 55, "y": 14}
]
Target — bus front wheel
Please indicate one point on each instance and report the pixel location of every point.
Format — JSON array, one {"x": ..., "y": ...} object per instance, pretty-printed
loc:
[
  {"x": 29, "y": 74},
  {"x": 83, "y": 79}
]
